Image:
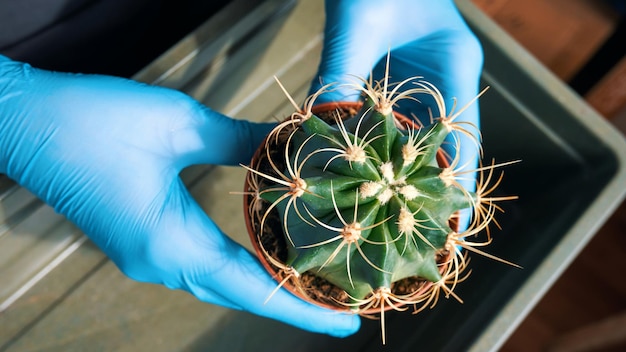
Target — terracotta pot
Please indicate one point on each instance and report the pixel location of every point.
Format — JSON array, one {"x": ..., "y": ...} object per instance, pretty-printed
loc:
[{"x": 255, "y": 238}]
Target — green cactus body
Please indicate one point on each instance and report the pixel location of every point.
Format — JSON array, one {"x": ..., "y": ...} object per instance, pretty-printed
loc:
[
  {"x": 372, "y": 215},
  {"x": 363, "y": 203}
]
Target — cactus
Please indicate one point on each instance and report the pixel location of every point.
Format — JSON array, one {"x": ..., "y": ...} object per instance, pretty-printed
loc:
[{"x": 363, "y": 203}]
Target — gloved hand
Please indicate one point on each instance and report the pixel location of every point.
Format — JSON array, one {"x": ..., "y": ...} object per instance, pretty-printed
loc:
[
  {"x": 106, "y": 152},
  {"x": 426, "y": 38}
]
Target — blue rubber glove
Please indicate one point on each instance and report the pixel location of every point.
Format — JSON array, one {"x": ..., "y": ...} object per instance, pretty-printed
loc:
[
  {"x": 426, "y": 38},
  {"x": 106, "y": 152}
]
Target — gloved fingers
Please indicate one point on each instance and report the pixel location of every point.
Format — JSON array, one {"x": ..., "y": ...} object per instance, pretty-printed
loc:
[
  {"x": 344, "y": 55},
  {"x": 242, "y": 281},
  {"x": 203, "y": 136},
  {"x": 188, "y": 251},
  {"x": 452, "y": 62},
  {"x": 358, "y": 33},
  {"x": 355, "y": 37}
]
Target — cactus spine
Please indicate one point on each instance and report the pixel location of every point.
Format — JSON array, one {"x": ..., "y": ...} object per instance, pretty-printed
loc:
[{"x": 364, "y": 204}]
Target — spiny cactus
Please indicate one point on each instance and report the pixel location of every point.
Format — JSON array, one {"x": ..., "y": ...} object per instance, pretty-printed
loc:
[{"x": 362, "y": 202}]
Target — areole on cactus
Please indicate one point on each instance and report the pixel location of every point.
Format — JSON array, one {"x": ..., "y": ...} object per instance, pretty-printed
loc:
[{"x": 366, "y": 201}]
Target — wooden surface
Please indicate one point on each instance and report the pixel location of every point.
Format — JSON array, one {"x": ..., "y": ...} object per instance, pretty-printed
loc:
[
  {"x": 607, "y": 333},
  {"x": 608, "y": 97},
  {"x": 562, "y": 34}
]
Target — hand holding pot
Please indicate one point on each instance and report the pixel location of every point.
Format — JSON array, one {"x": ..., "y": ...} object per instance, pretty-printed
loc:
[
  {"x": 424, "y": 38},
  {"x": 106, "y": 153}
]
